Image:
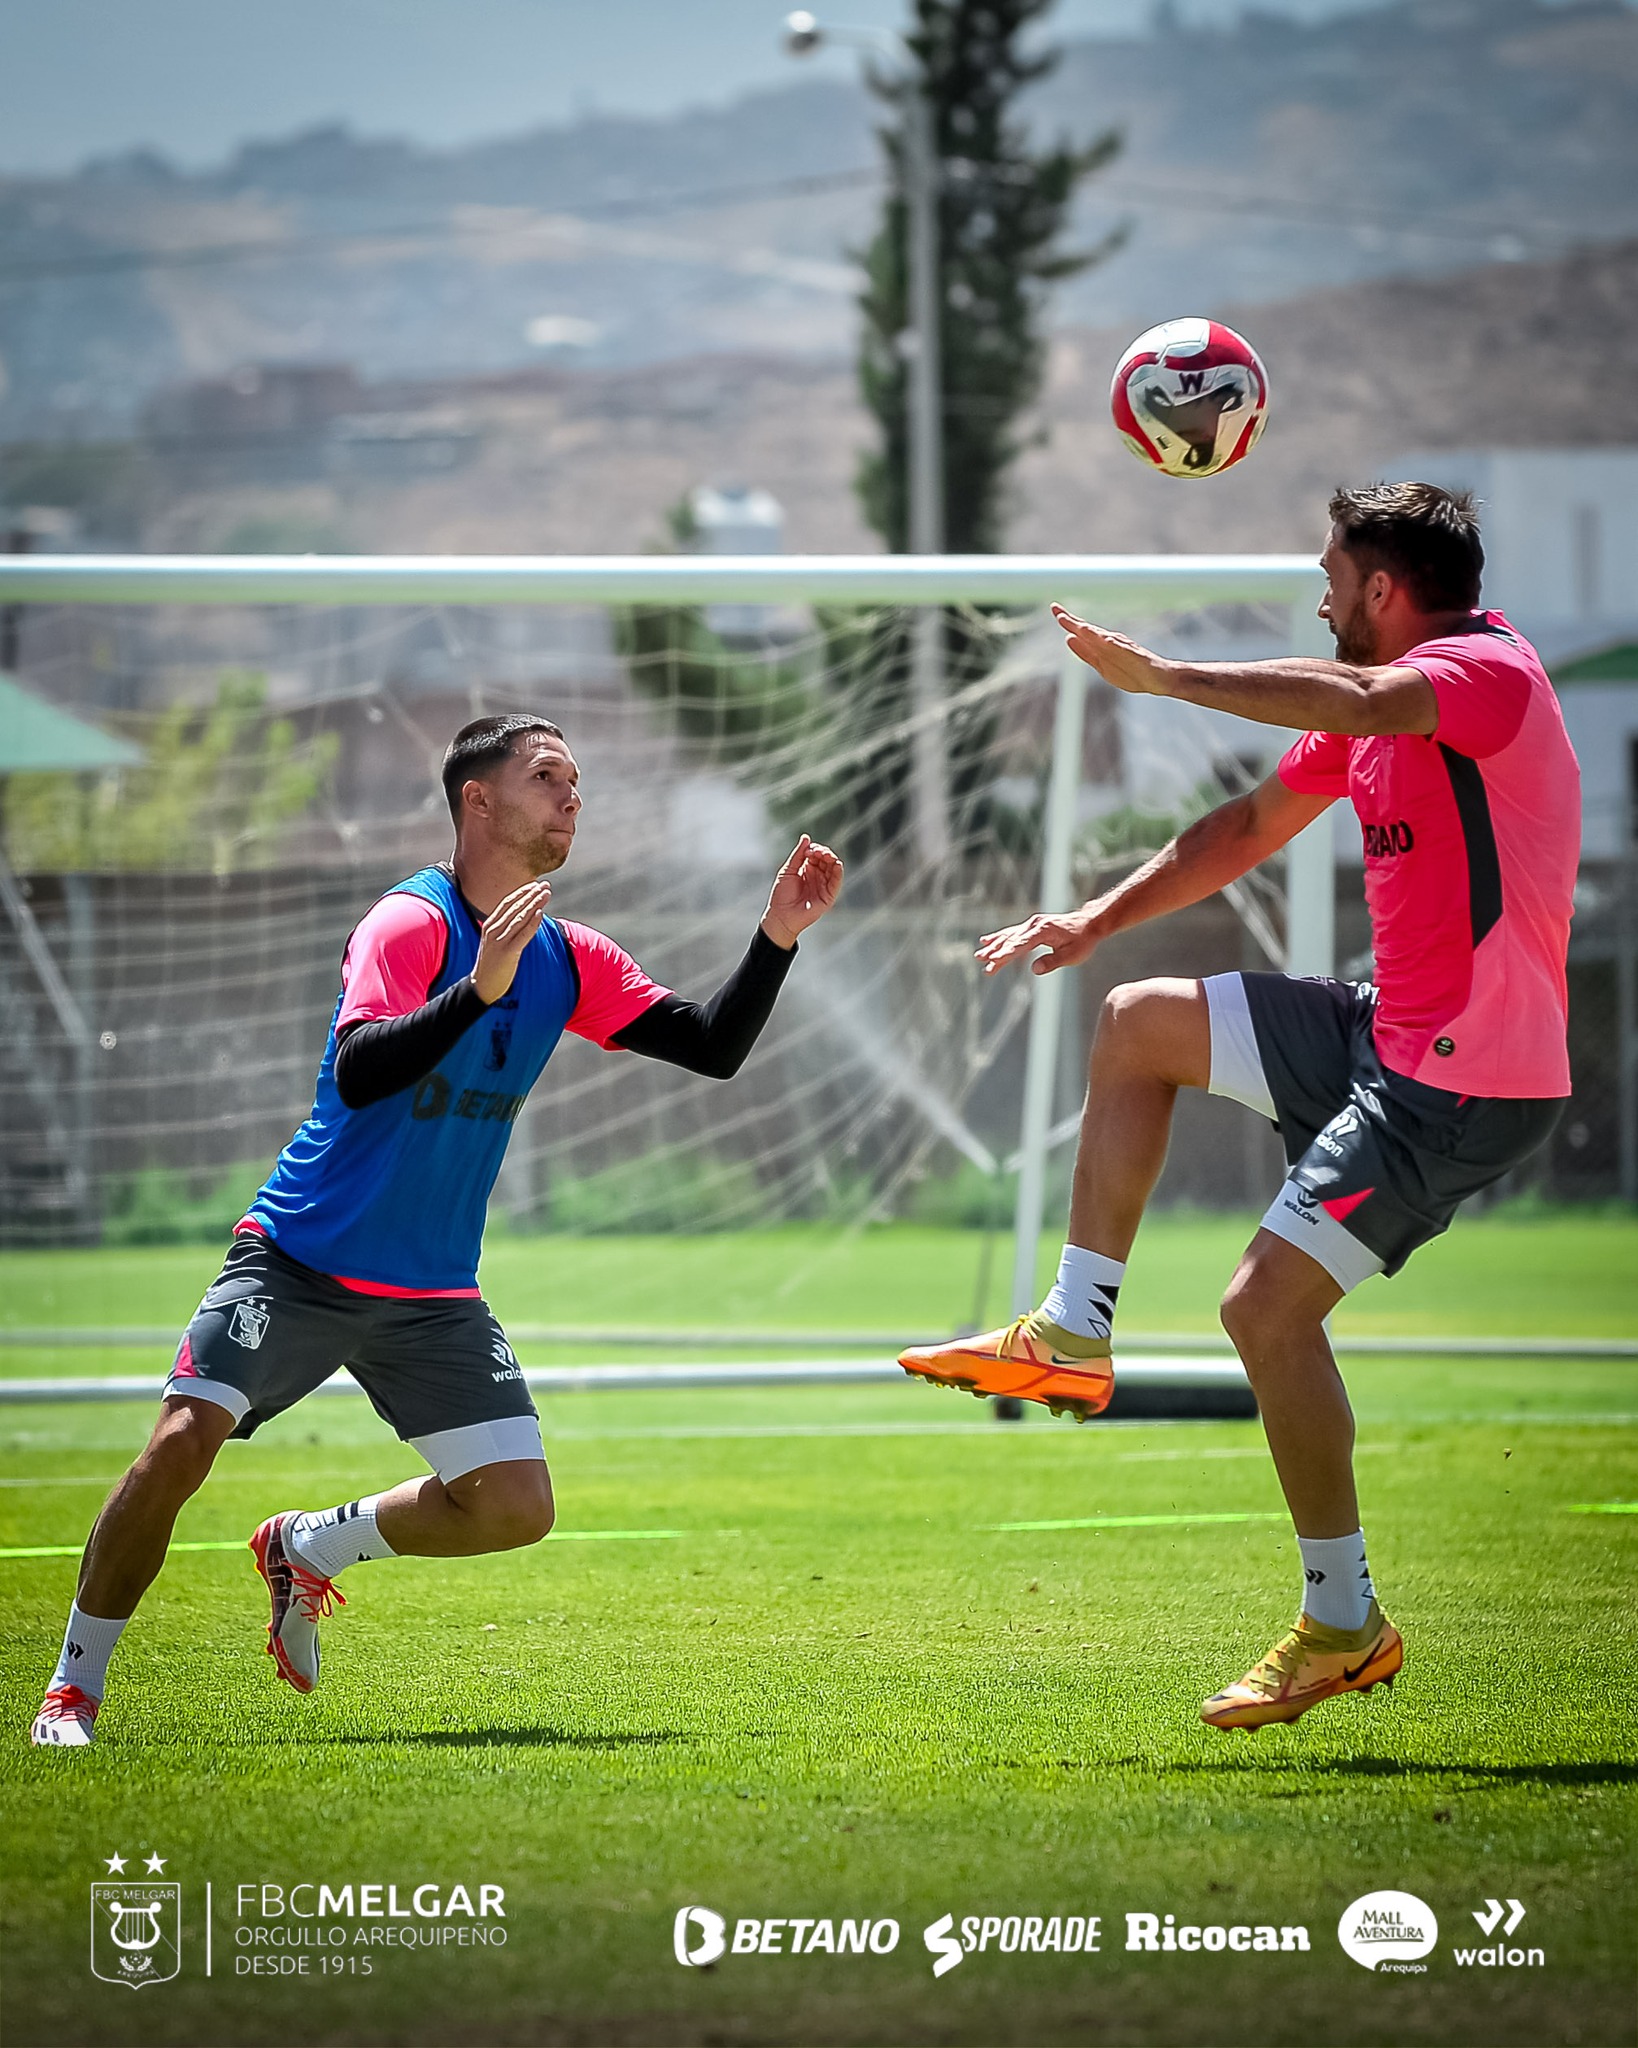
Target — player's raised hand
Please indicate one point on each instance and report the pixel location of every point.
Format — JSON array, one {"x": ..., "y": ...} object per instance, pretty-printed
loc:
[
  {"x": 506, "y": 931},
  {"x": 1069, "y": 939},
  {"x": 1118, "y": 660},
  {"x": 804, "y": 889}
]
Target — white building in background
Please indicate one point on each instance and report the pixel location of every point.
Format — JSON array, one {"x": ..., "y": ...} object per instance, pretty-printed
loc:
[
  {"x": 735, "y": 520},
  {"x": 1560, "y": 537},
  {"x": 1561, "y": 560}
]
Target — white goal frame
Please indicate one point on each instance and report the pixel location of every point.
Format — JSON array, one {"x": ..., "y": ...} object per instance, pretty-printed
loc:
[{"x": 1126, "y": 585}]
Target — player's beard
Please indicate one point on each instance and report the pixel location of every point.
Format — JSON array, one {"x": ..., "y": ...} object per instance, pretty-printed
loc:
[
  {"x": 541, "y": 849},
  {"x": 1356, "y": 642}
]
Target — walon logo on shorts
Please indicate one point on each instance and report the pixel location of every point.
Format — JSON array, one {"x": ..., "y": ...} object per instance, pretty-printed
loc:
[
  {"x": 1389, "y": 1931},
  {"x": 699, "y": 1937}
]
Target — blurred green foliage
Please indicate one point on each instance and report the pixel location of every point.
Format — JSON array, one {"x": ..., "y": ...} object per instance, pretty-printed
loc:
[{"x": 211, "y": 793}]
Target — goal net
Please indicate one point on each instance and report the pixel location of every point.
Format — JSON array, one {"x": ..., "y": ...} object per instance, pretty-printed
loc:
[{"x": 207, "y": 796}]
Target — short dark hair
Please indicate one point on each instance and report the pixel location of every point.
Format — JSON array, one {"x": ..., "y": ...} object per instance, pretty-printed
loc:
[
  {"x": 1425, "y": 537},
  {"x": 478, "y": 749}
]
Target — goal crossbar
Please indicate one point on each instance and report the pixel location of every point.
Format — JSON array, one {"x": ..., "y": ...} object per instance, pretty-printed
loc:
[{"x": 1143, "y": 582}]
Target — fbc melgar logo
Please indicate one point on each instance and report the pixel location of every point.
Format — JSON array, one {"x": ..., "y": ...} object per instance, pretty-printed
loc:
[
  {"x": 699, "y": 1937},
  {"x": 1389, "y": 1931},
  {"x": 136, "y": 1932}
]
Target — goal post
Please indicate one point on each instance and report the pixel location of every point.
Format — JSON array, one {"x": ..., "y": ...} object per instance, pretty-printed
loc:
[{"x": 1006, "y": 720}]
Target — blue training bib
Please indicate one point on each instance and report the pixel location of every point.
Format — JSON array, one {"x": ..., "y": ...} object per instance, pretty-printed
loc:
[{"x": 396, "y": 1193}]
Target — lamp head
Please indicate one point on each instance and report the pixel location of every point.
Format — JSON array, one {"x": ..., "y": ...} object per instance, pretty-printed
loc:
[{"x": 803, "y": 35}]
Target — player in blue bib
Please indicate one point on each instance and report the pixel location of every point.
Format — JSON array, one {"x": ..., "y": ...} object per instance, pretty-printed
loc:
[{"x": 361, "y": 1249}]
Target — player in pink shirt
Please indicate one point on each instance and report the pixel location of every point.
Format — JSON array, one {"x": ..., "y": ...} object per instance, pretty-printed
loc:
[{"x": 1395, "y": 1101}]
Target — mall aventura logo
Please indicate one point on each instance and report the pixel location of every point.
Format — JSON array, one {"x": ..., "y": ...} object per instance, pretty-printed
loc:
[
  {"x": 1389, "y": 1931},
  {"x": 136, "y": 1926}
]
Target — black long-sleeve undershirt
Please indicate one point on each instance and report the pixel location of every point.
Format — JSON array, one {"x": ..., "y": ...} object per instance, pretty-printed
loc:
[
  {"x": 386, "y": 1056},
  {"x": 715, "y": 1036}
]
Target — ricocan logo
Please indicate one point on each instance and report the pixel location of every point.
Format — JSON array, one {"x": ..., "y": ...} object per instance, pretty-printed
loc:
[{"x": 713, "y": 1936}]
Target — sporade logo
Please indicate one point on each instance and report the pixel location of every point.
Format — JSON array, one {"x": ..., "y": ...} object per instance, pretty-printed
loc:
[{"x": 1022, "y": 1933}]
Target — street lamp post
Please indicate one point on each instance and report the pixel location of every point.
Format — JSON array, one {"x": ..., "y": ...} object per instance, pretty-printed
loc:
[{"x": 920, "y": 344}]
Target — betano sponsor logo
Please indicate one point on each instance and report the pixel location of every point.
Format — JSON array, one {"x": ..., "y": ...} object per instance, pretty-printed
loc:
[
  {"x": 699, "y": 1936},
  {"x": 1155, "y": 1933},
  {"x": 1011, "y": 1934}
]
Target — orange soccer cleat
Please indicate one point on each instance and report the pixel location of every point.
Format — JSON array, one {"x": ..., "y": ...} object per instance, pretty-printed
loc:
[
  {"x": 1028, "y": 1361},
  {"x": 1311, "y": 1664}
]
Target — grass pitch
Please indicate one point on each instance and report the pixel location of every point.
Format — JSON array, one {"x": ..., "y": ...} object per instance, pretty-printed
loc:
[{"x": 833, "y": 1688}]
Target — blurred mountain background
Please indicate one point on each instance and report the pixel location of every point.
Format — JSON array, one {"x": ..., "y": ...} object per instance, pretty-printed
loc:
[{"x": 335, "y": 340}]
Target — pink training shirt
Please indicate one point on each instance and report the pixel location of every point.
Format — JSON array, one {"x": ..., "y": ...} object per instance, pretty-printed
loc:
[
  {"x": 397, "y": 953},
  {"x": 1472, "y": 837}
]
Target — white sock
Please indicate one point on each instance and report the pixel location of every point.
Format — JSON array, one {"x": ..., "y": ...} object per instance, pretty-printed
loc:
[
  {"x": 88, "y": 1643},
  {"x": 332, "y": 1539},
  {"x": 1082, "y": 1300},
  {"x": 1337, "y": 1585}
]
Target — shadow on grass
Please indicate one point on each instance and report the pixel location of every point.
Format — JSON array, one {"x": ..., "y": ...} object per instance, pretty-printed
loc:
[
  {"x": 1596, "y": 1772},
  {"x": 507, "y": 1738}
]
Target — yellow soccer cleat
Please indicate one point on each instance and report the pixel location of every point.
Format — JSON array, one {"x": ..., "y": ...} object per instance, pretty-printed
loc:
[
  {"x": 1030, "y": 1360},
  {"x": 1311, "y": 1664}
]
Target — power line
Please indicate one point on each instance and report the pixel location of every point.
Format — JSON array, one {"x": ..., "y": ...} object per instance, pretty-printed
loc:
[{"x": 96, "y": 262}]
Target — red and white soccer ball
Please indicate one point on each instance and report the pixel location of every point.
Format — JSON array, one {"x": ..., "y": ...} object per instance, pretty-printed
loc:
[{"x": 1190, "y": 397}]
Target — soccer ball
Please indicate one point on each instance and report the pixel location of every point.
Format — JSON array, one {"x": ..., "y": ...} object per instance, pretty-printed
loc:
[{"x": 1190, "y": 397}]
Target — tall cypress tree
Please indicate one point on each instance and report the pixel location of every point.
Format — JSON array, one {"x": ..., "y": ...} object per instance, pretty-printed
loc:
[{"x": 1003, "y": 209}]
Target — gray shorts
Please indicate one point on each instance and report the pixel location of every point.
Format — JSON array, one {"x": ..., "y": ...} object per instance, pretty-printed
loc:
[
  {"x": 1379, "y": 1162},
  {"x": 440, "y": 1373}
]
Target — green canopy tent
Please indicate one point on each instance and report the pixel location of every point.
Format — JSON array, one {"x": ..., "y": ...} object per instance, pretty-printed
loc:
[{"x": 37, "y": 737}]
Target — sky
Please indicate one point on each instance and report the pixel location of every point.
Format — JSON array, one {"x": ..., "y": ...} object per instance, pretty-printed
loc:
[{"x": 193, "y": 78}]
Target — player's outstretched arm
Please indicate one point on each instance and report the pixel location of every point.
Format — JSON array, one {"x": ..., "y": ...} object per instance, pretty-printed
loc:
[
  {"x": 1303, "y": 691},
  {"x": 1215, "y": 850},
  {"x": 714, "y": 1037}
]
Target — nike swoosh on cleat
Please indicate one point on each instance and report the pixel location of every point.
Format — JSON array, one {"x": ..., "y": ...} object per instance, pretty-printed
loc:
[{"x": 1350, "y": 1676}]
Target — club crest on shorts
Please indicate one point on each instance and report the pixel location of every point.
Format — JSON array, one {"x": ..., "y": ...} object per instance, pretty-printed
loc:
[
  {"x": 249, "y": 1324},
  {"x": 136, "y": 1933}
]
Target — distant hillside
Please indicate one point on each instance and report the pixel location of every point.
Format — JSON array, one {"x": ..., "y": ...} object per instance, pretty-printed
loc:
[
  {"x": 1511, "y": 355},
  {"x": 558, "y": 461},
  {"x": 1261, "y": 161}
]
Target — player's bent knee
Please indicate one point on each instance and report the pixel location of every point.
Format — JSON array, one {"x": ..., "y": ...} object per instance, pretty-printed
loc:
[
  {"x": 1257, "y": 1304},
  {"x": 511, "y": 1503},
  {"x": 184, "y": 1443},
  {"x": 1161, "y": 1026}
]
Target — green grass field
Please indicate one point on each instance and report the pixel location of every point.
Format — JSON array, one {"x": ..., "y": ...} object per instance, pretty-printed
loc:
[{"x": 813, "y": 1678}]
